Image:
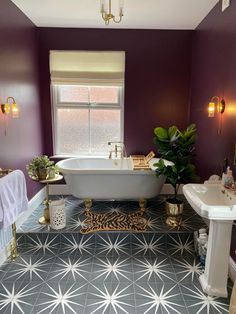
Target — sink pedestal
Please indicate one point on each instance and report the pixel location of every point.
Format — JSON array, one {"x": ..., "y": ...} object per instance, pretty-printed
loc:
[
  {"x": 214, "y": 202},
  {"x": 214, "y": 279}
]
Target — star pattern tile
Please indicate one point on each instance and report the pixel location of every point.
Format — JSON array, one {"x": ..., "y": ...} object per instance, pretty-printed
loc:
[
  {"x": 162, "y": 298},
  {"x": 65, "y": 272},
  {"x": 117, "y": 299}
]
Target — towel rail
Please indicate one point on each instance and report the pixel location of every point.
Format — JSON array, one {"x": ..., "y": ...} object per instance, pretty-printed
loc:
[{"x": 13, "y": 246}]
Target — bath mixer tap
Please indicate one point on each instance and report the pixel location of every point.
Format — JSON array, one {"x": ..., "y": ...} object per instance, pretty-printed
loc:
[{"x": 118, "y": 150}]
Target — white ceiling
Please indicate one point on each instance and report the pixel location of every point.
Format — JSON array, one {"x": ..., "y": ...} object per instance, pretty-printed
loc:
[{"x": 141, "y": 14}]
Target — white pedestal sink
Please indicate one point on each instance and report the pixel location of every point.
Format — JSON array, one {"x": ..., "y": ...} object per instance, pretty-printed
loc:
[{"x": 217, "y": 204}]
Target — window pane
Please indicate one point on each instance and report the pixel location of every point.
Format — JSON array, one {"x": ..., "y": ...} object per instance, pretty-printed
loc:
[
  {"x": 104, "y": 94},
  {"x": 73, "y": 131},
  {"x": 73, "y": 93},
  {"x": 104, "y": 127}
]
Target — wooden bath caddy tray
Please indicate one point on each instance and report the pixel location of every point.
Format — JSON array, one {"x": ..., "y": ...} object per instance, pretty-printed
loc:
[{"x": 141, "y": 162}]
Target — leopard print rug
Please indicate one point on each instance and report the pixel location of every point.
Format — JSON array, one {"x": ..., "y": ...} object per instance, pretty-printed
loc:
[{"x": 114, "y": 221}]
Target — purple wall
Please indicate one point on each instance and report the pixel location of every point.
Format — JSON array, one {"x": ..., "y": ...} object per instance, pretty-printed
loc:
[
  {"x": 19, "y": 78},
  {"x": 213, "y": 73},
  {"x": 157, "y": 77}
]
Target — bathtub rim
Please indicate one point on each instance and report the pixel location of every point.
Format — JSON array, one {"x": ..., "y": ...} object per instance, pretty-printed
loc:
[{"x": 108, "y": 171}]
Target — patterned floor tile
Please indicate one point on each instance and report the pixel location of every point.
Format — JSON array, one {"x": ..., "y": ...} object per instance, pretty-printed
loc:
[
  {"x": 65, "y": 272},
  {"x": 16, "y": 298},
  {"x": 118, "y": 298},
  {"x": 60, "y": 297}
]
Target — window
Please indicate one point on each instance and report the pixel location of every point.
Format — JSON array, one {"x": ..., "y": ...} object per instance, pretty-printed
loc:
[
  {"x": 87, "y": 94},
  {"x": 86, "y": 118}
]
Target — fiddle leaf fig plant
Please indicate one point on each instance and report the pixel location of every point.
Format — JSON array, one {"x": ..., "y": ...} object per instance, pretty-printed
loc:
[{"x": 178, "y": 147}]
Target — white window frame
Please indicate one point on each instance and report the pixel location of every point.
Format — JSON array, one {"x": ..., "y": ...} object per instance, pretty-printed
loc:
[{"x": 57, "y": 104}]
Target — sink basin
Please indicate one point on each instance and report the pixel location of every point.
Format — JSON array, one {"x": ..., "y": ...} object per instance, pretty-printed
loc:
[
  {"x": 211, "y": 201},
  {"x": 217, "y": 204}
]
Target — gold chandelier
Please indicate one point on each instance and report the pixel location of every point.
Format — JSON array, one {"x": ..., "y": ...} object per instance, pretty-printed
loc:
[{"x": 106, "y": 11}]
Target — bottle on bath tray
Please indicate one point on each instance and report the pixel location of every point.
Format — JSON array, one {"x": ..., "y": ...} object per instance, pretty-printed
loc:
[{"x": 228, "y": 179}]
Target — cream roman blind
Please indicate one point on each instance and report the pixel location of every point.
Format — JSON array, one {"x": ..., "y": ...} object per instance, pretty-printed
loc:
[{"x": 87, "y": 67}]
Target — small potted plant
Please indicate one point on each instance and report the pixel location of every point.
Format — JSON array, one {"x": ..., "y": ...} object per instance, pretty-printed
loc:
[
  {"x": 178, "y": 147},
  {"x": 40, "y": 166}
]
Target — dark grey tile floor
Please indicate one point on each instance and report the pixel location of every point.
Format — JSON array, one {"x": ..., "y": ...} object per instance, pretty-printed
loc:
[{"x": 154, "y": 272}]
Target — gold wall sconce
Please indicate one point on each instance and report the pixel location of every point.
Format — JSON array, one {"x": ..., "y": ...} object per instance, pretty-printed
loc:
[
  {"x": 10, "y": 107},
  {"x": 216, "y": 104}
]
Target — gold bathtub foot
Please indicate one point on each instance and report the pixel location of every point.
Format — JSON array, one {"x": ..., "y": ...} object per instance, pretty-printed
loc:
[
  {"x": 142, "y": 205},
  {"x": 13, "y": 249},
  {"x": 88, "y": 204}
]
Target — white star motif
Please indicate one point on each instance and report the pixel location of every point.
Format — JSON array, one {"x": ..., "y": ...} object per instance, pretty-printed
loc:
[
  {"x": 154, "y": 224},
  {"x": 39, "y": 245},
  {"x": 112, "y": 299},
  {"x": 82, "y": 246},
  {"x": 160, "y": 300},
  {"x": 206, "y": 302},
  {"x": 190, "y": 269},
  {"x": 60, "y": 299},
  {"x": 73, "y": 268},
  {"x": 149, "y": 246},
  {"x": 181, "y": 245},
  {"x": 117, "y": 246},
  {"x": 185, "y": 225},
  {"x": 29, "y": 267},
  {"x": 153, "y": 268},
  {"x": 116, "y": 268},
  {"x": 75, "y": 224},
  {"x": 116, "y": 209},
  {"x": 15, "y": 298}
]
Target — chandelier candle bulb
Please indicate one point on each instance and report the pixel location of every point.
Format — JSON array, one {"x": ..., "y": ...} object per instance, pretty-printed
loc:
[
  {"x": 103, "y": 6},
  {"x": 121, "y": 5}
]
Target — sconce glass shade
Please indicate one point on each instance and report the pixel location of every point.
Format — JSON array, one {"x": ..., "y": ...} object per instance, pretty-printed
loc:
[
  {"x": 211, "y": 109},
  {"x": 15, "y": 110},
  {"x": 10, "y": 106}
]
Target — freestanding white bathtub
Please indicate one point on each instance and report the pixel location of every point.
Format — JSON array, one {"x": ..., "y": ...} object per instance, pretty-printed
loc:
[{"x": 101, "y": 178}]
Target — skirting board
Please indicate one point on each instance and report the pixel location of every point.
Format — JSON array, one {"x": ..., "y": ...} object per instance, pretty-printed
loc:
[{"x": 33, "y": 203}]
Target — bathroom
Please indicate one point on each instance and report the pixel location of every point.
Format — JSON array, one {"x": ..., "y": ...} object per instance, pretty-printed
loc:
[{"x": 170, "y": 77}]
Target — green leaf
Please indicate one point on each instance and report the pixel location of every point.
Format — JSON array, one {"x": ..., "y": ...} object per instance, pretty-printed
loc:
[
  {"x": 161, "y": 133},
  {"x": 172, "y": 131}
]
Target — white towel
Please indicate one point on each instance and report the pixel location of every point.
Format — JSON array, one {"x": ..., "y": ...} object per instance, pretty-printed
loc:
[{"x": 13, "y": 198}]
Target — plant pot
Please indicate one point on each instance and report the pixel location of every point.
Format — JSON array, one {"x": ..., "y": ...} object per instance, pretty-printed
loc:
[
  {"x": 174, "y": 210},
  {"x": 42, "y": 174}
]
